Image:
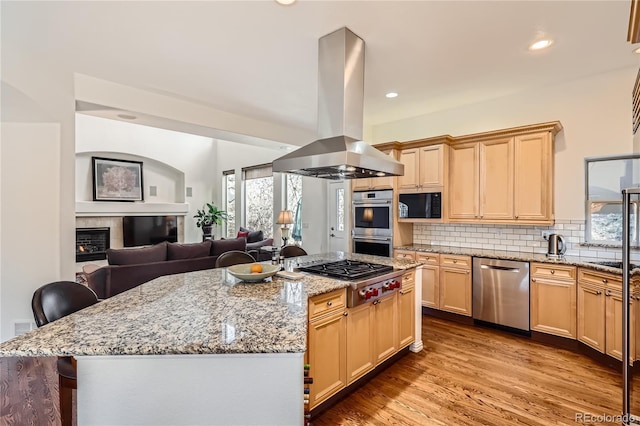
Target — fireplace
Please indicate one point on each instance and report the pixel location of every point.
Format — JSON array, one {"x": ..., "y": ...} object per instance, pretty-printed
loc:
[{"x": 92, "y": 243}]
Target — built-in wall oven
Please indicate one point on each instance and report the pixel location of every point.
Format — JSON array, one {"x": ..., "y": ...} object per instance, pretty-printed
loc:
[{"x": 373, "y": 223}]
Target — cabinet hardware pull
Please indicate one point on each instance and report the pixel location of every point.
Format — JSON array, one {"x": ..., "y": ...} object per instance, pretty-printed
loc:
[
  {"x": 604, "y": 280},
  {"x": 402, "y": 292},
  {"x": 533, "y": 279},
  {"x": 607, "y": 293},
  {"x": 455, "y": 261},
  {"x": 345, "y": 314},
  {"x": 598, "y": 293},
  {"x": 467, "y": 272},
  {"x": 516, "y": 216},
  {"x": 329, "y": 303},
  {"x": 553, "y": 272}
]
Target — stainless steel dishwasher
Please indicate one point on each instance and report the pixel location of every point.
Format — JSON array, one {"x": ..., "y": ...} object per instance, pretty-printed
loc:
[{"x": 501, "y": 292}]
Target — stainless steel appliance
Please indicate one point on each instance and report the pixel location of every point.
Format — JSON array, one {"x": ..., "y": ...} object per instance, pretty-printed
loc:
[
  {"x": 422, "y": 205},
  {"x": 557, "y": 246},
  {"x": 501, "y": 292},
  {"x": 370, "y": 281},
  {"x": 629, "y": 196},
  {"x": 373, "y": 223},
  {"x": 340, "y": 152}
]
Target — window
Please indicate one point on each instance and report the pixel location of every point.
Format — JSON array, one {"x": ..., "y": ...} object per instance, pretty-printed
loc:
[
  {"x": 340, "y": 206},
  {"x": 230, "y": 201},
  {"x": 258, "y": 205},
  {"x": 605, "y": 178},
  {"x": 294, "y": 203}
]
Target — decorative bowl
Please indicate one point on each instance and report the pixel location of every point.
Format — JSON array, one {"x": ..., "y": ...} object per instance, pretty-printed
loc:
[{"x": 243, "y": 272}]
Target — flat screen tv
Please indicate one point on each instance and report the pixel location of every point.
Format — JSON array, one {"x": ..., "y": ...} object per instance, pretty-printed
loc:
[{"x": 146, "y": 230}]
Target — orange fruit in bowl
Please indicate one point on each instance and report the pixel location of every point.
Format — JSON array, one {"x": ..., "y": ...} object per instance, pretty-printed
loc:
[{"x": 256, "y": 268}]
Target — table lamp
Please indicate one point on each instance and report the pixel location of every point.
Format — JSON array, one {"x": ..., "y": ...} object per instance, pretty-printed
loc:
[{"x": 285, "y": 218}]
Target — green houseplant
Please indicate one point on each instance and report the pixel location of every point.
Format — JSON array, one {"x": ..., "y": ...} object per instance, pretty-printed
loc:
[{"x": 208, "y": 216}]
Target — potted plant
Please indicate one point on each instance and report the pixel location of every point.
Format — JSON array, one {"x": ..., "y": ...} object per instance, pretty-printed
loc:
[{"x": 208, "y": 216}]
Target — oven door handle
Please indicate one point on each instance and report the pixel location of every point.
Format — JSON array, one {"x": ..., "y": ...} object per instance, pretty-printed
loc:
[
  {"x": 372, "y": 238},
  {"x": 370, "y": 202}
]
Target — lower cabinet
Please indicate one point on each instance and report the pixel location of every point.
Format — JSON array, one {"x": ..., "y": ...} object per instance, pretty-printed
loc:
[
  {"x": 600, "y": 313},
  {"x": 455, "y": 284},
  {"x": 344, "y": 344},
  {"x": 407, "y": 315},
  {"x": 360, "y": 349},
  {"x": 553, "y": 299},
  {"x": 385, "y": 320},
  {"x": 327, "y": 349}
]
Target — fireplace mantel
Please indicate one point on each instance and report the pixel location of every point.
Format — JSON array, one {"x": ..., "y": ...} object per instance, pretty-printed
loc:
[{"x": 106, "y": 208}]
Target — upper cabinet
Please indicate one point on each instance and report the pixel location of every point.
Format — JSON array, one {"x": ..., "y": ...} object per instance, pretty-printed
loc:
[
  {"x": 369, "y": 184},
  {"x": 423, "y": 168},
  {"x": 503, "y": 179}
]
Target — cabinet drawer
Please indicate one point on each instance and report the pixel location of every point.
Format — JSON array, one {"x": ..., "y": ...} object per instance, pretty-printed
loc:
[
  {"x": 428, "y": 258},
  {"x": 405, "y": 254},
  {"x": 328, "y": 302},
  {"x": 408, "y": 279},
  {"x": 547, "y": 270},
  {"x": 600, "y": 278},
  {"x": 454, "y": 261}
]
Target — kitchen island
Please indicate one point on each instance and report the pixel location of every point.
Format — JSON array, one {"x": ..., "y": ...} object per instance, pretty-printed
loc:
[{"x": 194, "y": 348}]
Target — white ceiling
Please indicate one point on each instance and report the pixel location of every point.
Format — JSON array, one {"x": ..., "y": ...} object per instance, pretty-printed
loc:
[{"x": 259, "y": 59}]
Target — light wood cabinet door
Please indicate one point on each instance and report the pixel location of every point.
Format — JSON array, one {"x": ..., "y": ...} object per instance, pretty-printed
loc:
[
  {"x": 327, "y": 357},
  {"x": 431, "y": 286},
  {"x": 463, "y": 181},
  {"x": 591, "y": 316},
  {"x": 455, "y": 290},
  {"x": 553, "y": 307},
  {"x": 533, "y": 193},
  {"x": 496, "y": 179},
  {"x": 407, "y": 314},
  {"x": 386, "y": 327},
  {"x": 411, "y": 160},
  {"x": 613, "y": 333},
  {"x": 360, "y": 333},
  {"x": 431, "y": 166},
  {"x": 361, "y": 184}
]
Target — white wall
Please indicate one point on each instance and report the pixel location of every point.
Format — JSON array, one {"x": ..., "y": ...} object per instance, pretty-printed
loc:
[
  {"x": 192, "y": 157},
  {"x": 30, "y": 217},
  {"x": 595, "y": 113}
]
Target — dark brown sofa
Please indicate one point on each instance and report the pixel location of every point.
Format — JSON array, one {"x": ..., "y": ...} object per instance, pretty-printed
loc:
[{"x": 128, "y": 268}]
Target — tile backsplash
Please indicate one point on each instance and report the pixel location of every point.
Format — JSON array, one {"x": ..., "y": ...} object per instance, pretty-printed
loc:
[{"x": 514, "y": 238}]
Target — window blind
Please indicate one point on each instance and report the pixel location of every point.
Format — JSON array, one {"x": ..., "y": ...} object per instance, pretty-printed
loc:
[{"x": 257, "y": 172}]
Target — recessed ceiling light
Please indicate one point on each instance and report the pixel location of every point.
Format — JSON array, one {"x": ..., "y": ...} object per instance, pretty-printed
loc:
[
  {"x": 285, "y": 2},
  {"x": 391, "y": 95},
  {"x": 127, "y": 116},
  {"x": 541, "y": 44}
]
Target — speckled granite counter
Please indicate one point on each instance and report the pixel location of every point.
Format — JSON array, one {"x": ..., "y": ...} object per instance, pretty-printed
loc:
[
  {"x": 203, "y": 312},
  {"x": 516, "y": 255}
]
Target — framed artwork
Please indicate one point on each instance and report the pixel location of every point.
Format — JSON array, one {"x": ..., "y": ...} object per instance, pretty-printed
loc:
[{"x": 117, "y": 180}]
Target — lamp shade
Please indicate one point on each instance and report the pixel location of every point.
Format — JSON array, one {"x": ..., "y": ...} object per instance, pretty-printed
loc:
[{"x": 285, "y": 217}]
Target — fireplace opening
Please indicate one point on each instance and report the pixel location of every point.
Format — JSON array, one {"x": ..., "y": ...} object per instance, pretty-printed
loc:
[{"x": 92, "y": 244}]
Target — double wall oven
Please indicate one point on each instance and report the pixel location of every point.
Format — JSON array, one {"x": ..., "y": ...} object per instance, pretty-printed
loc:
[{"x": 373, "y": 223}]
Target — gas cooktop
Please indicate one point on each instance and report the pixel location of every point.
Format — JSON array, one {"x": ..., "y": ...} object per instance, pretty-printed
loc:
[{"x": 347, "y": 269}]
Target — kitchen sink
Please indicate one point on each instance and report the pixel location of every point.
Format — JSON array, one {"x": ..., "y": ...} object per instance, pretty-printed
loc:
[{"x": 613, "y": 264}]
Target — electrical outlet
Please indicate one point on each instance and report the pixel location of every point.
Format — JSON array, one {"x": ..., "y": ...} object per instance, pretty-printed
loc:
[{"x": 545, "y": 235}]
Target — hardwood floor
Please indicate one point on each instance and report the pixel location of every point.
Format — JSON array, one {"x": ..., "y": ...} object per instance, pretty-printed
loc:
[
  {"x": 465, "y": 376},
  {"x": 478, "y": 376}
]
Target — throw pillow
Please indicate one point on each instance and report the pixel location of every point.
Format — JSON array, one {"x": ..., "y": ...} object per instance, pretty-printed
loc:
[
  {"x": 244, "y": 234},
  {"x": 177, "y": 251},
  {"x": 254, "y": 236},
  {"x": 134, "y": 256}
]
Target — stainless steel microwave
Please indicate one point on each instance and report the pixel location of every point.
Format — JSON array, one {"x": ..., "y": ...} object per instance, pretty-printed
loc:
[{"x": 422, "y": 205}]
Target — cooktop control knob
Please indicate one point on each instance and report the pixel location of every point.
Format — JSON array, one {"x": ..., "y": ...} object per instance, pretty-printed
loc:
[
  {"x": 386, "y": 286},
  {"x": 374, "y": 291},
  {"x": 367, "y": 294}
]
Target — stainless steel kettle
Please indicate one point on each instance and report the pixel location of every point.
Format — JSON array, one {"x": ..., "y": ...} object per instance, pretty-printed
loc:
[{"x": 557, "y": 246}]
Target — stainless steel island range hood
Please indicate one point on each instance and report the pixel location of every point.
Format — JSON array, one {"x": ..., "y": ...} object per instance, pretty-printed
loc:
[{"x": 340, "y": 152}]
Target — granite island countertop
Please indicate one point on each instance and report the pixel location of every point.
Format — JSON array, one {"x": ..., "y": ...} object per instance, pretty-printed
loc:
[
  {"x": 580, "y": 261},
  {"x": 201, "y": 312}
]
